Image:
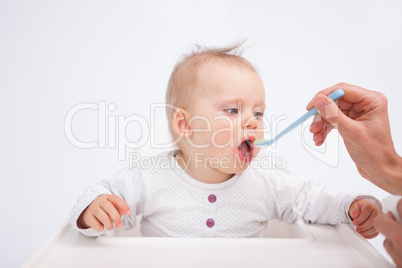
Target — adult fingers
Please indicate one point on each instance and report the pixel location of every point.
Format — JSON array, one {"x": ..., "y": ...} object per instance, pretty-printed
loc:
[
  {"x": 317, "y": 124},
  {"x": 354, "y": 94},
  {"x": 386, "y": 224},
  {"x": 388, "y": 246},
  {"x": 330, "y": 112},
  {"x": 399, "y": 207},
  {"x": 394, "y": 249},
  {"x": 320, "y": 136}
]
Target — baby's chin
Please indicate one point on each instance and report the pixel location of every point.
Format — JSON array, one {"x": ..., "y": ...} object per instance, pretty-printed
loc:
[
  {"x": 236, "y": 166},
  {"x": 241, "y": 164}
]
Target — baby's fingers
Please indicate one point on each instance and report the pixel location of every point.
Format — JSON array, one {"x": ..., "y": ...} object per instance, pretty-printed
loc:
[
  {"x": 369, "y": 233},
  {"x": 113, "y": 214},
  {"x": 104, "y": 219},
  {"x": 120, "y": 205},
  {"x": 369, "y": 221},
  {"x": 365, "y": 213},
  {"x": 94, "y": 223}
]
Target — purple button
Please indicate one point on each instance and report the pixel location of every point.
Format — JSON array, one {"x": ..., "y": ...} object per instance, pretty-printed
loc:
[
  {"x": 212, "y": 198},
  {"x": 210, "y": 223}
]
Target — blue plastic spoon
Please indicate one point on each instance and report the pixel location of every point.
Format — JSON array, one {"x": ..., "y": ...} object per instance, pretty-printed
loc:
[{"x": 336, "y": 95}]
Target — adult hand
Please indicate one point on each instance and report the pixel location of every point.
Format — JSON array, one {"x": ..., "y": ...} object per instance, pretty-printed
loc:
[
  {"x": 392, "y": 230},
  {"x": 362, "y": 121}
]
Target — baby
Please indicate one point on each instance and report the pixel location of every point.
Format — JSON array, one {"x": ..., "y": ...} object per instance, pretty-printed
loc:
[{"x": 209, "y": 187}]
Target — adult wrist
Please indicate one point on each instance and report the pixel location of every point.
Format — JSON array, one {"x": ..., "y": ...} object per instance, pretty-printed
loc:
[{"x": 392, "y": 174}]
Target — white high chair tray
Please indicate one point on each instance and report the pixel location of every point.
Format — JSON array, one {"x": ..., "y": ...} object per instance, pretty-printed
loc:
[{"x": 286, "y": 245}]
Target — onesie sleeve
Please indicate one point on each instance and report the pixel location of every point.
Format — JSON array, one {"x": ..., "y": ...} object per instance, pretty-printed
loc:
[
  {"x": 311, "y": 201},
  {"x": 126, "y": 184}
]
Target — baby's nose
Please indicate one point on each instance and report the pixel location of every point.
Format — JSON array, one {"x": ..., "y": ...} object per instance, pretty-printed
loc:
[{"x": 251, "y": 123}]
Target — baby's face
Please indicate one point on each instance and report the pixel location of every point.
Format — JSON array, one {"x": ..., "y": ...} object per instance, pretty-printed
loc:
[{"x": 226, "y": 116}]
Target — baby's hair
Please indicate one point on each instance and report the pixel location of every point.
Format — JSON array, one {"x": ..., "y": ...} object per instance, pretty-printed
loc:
[{"x": 185, "y": 73}]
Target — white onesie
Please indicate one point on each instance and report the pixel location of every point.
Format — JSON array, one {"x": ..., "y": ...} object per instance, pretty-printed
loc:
[{"x": 174, "y": 204}]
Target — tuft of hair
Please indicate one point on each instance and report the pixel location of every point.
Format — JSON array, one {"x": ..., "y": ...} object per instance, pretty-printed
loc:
[{"x": 185, "y": 74}]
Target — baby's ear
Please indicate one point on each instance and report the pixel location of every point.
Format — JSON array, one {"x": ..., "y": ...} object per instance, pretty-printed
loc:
[{"x": 180, "y": 123}]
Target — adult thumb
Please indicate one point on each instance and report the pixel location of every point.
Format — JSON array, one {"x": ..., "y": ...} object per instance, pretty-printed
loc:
[{"x": 328, "y": 110}]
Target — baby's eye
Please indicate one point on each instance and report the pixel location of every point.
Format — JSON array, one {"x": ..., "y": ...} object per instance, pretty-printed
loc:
[
  {"x": 232, "y": 111},
  {"x": 258, "y": 115}
]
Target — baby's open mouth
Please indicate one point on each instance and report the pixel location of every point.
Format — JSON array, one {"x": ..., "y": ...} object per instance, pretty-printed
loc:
[{"x": 246, "y": 150}]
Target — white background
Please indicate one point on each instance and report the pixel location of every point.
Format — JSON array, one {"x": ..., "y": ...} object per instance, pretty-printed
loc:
[{"x": 57, "y": 54}]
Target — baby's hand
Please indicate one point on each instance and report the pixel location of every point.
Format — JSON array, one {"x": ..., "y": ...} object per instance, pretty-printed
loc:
[
  {"x": 363, "y": 213},
  {"x": 105, "y": 210}
]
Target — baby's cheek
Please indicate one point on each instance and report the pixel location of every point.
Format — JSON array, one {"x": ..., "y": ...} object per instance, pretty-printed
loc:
[
  {"x": 222, "y": 139},
  {"x": 223, "y": 135},
  {"x": 201, "y": 133}
]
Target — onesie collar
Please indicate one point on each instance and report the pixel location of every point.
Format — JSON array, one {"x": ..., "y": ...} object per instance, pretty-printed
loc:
[{"x": 189, "y": 182}]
